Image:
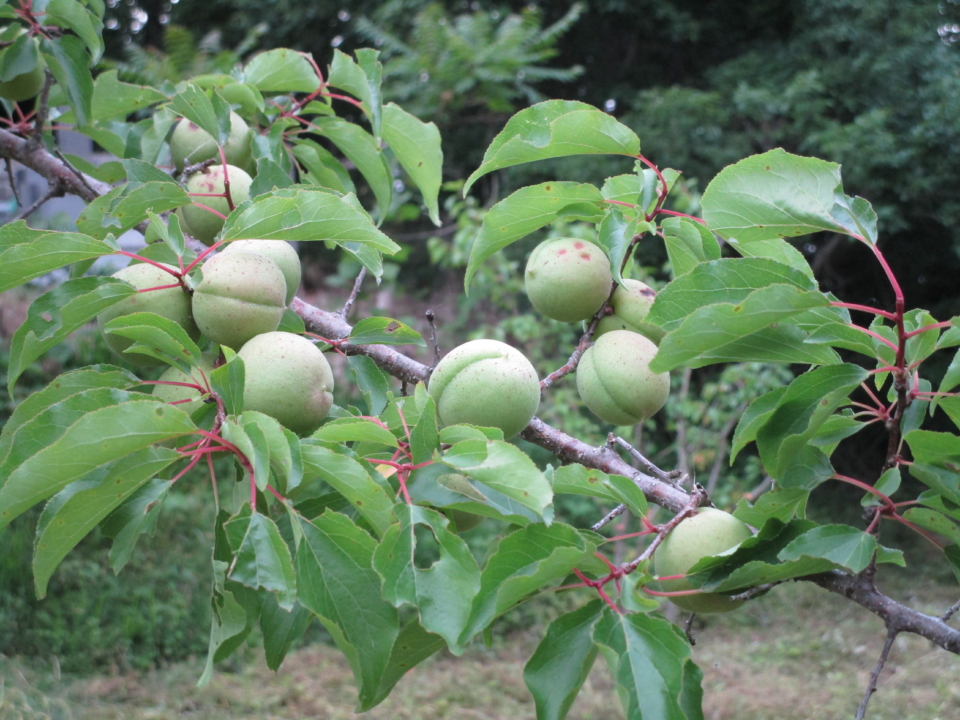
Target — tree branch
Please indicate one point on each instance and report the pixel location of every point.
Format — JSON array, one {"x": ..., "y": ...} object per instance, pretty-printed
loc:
[
  {"x": 875, "y": 675},
  {"x": 55, "y": 171}
]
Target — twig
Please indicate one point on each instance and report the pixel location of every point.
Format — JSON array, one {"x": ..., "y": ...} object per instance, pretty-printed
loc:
[
  {"x": 80, "y": 175},
  {"x": 348, "y": 305},
  {"x": 697, "y": 498},
  {"x": 682, "y": 462},
  {"x": 688, "y": 629},
  {"x": 875, "y": 675},
  {"x": 950, "y": 612},
  {"x": 644, "y": 463},
  {"x": 585, "y": 342},
  {"x": 609, "y": 517},
  {"x": 44, "y": 163},
  {"x": 755, "y": 592},
  {"x": 197, "y": 167},
  {"x": 432, "y": 321},
  {"x": 426, "y": 234},
  {"x": 53, "y": 190},
  {"x": 13, "y": 184},
  {"x": 759, "y": 489},
  {"x": 43, "y": 109}
]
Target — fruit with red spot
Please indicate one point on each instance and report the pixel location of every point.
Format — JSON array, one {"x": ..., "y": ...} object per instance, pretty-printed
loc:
[
  {"x": 287, "y": 378},
  {"x": 207, "y": 188},
  {"x": 191, "y": 144},
  {"x": 568, "y": 279},
  {"x": 709, "y": 532},
  {"x": 614, "y": 378},
  {"x": 631, "y": 304},
  {"x": 486, "y": 383}
]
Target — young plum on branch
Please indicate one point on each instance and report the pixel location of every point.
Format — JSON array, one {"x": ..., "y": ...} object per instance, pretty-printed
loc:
[
  {"x": 631, "y": 303},
  {"x": 208, "y": 189},
  {"x": 281, "y": 252},
  {"x": 568, "y": 279},
  {"x": 190, "y": 144}
]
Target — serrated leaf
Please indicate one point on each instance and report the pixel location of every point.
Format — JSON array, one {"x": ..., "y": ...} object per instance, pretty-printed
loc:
[
  {"x": 253, "y": 445},
  {"x": 563, "y": 659},
  {"x": 524, "y": 211},
  {"x": 783, "y": 504},
  {"x": 934, "y": 448},
  {"x": 348, "y": 75},
  {"x": 523, "y": 562},
  {"x": 452, "y": 434},
  {"x": 649, "y": 659},
  {"x": 113, "y": 99},
  {"x": 363, "y": 150},
  {"x": 283, "y": 448},
  {"x": 856, "y": 215},
  {"x": 69, "y": 62},
  {"x": 932, "y": 520},
  {"x": 281, "y": 628},
  {"x": 270, "y": 176},
  {"x": 688, "y": 244},
  {"x": 385, "y": 331},
  {"x": 720, "y": 325},
  {"x": 337, "y": 582},
  {"x": 227, "y": 381},
  {"x": 412, "y": 646},
  {"x": 71, "y": 15},
  {"x": 555, "y": 128},
  {"x": 95, "y": 438},
  {"x": 263, "y": 559},
  {"x": 371, "y": 380},
  {"x": 424, "y": 436},
  {"x": 845, "y": 546},
  {"x": 944, "y": 481},
  {"x": 775, "y": 249},
  {"x": 888, "y": 484},
  {"x": 416, "y": 145},
  {"x": 505, "y": 468},
  {"x": 193, "y": 104},
  {"x": 26, "y": 253},
  {"x": 76, "y": 510},
  {"x": 355, "y": 429},
  {"x": 158, "y": 337},
  {"x": 352, "y": 480},
  {"x": 844, "y": 336},
  {"x": 579, "y": 480},
  {"x": 132, "y": 208},
  {"x": 134, "y": 517},
  {"x": 56, "y": 314},
  {"x": 235, "y": 612},
  {"x": 773, "y": 195},
  {"x": 614, "y": 236},
  {"x": 322, "y": 167},
  {"x": 443, "y": 592},
  {"x": 281, "y": 71},
  {"x": 754, "y": 418}
]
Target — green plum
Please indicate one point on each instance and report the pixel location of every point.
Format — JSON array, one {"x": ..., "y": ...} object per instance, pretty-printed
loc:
[
  {"x": 631, "y": 303},
  {"x": 24, "y": 86},
  {"x": 190, "y": 144},
  {"x": 281, "y": 252},
  {"x": 486, "y": 383},
  {"x": 172, "y": 303},
  {"x": 241, "y": 295},
  {"x": 177, "y": 393},
  {"x": 568, "y": 279},
  {"x": 615, "y": 382},
  {"x": 709, "y": 532},
  {"x": 287, "y": 378},
  {"x": 206, "y": 185}
]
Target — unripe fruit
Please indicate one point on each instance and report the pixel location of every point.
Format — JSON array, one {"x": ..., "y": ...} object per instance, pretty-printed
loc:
[
  {"x": 240, "y": 296},
  {"x": 287, "y": 378},
  {"x": 201, "y": 223},
  {"x": 175, "y": 393},
  {"x": 631, "y": 303},
  {"x": 190, "y": 144},
  {"x": 24, "y": 86},
  {"x": 486, "y": 383},
  {"x": 172, "y": 303},
  {"x": 709, "y": 532},
  {"x": 615, "y": 382},
  {"x": 568, "y": 279},
  {"x": 281, "y": 252}
]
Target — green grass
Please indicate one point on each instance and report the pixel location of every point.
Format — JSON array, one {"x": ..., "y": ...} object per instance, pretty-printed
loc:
[{"x": 796, "y": 654}]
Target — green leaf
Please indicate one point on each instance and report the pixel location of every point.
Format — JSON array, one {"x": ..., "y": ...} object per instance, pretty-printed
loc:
[
  {"x": 84, "y": 443},
  {"x": 384, "y": 331},
  {"x": 842, "y": 545},
  {"x": 26, "y": 253},
  {"x": 628, "y": 493},
  {"x": 194, "y": 105},
  {"x": 443, "y": 592},
  {"x": 505, "y": 468},
  {"x": 416, "y": 145},
  {"x": 615, "y": 235},
  {"x": 351, "y": 479},
  {"x": 783, "y": 504},
  {"x": 157, "y": 337},
  {"x": 844, "y": 336},
  {"x": 153, "y": 139},
  {"x": 718, "y": 326},
  {"x": 856, "y": 215},
  {"x": 649, "y": 659},
  {"x": 355, "y": 429},
  {"x": 434, "y": 485},
  {"x": 282, "y": 447},
  {"x": 337, "y": 581},
  {"x": 775, "y": 249},
  {"x": 133, "y": 207},
  {"x": 944, "y": 481},
  {"x": 56, "y": 314},
  {"x": 807, "y": 403},
  {"x": 136, "y": 516},
  {"x": 303, "y": 214},
  {"x": 888, "y": 484},
  {"x": 371, "y": 380},
  {"x": 71, "y": 15},
  {"x": 952, "y": 553},
  {"x": 255, "y": 449},
  {"x": 576, "y": 479},
  {"x": 523, "y": 562},
  {"x": 934, "y": 448},
  {"x": 113, "y": 99},
  {"x": 365, "y": 86},
  {"x": 754, "y": 418},
  {"x": 364, "y": 151},
  {"x": 21, "y": 57},
  {"x": 270, "y": 176},
  {"x": 281, "y": 71},
  {"x": 69, "y": 62},
  {"x": 76, "y": 510},
  {"x": 563, "y": 659},
  {"x": 281, "y": 628},
  {"x": 171, "y": 234},
  {"x": 322, "y": 167},
  {"x": 412, "y": 646},
  {"x": 263, "y": 559},
  {"x": 773, "y": 195},
  {"x": 555, "y": 128},
  {"x": 524, "y": 211},
  {"x": 235, "y": 612},
  {"x": 688, "y": 244},
  {"x": 227, "y": 381},
  {"x": 932, "y": 520},
  {"x": 425, "y": 437}
]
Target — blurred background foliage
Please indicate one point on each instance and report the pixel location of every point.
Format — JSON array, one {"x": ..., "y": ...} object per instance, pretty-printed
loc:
[{"x": 872, "y": 84}]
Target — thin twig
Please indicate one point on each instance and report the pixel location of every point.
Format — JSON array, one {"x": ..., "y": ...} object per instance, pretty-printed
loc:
[
  {"x": 759, "y": 489},
  {"x": 609, "y": 517},
  {"x": 43, "y": 109},
  {"x": 688, "y": 629},
  {"x": 432, "y": 321},
  {"x": 875, "y": 675},
  {"x": 197, "y": 167},
  {"x": 80, "y": 175},
  {"x": 348, "y": 305},
  {"x": 53, "y": 190},
  {"x": 949, "y": 613},
  {"x": 682, "y": 463},
  {"x": 644, "y": 463},
  {"x": 697, "y": 498},
  {"x": 756, "y": 591},
  {"x": 13, "y": 184},
  {"x": 586, "y": 341}
]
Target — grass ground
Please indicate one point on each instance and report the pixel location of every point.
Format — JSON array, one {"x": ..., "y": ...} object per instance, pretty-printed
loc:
[{"x": 796, "y": 654}]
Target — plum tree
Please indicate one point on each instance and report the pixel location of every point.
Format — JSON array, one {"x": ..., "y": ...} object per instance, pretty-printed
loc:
[
  {"x": 190, "y": 144},
  {"x": 172, "y": 303},
  {"x": 631, "y": 303},
  {"x": 486, "y": 383},
  {"x": 614, "y": 378},
  {"x": 709, "y": 532},
  {"x": 287, "y": 378},
  {"x": 282, "y": 253},
  {"x": 567, "y": 279},
  {"x": 208, "y": 188},
  {"x": 241, "y": 295},
  {"x": 25, "y": 85}
]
